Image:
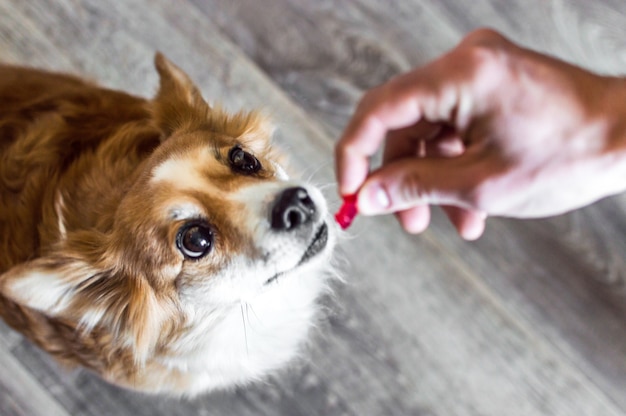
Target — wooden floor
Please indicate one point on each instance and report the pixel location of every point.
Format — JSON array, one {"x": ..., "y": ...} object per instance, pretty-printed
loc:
[{"x": 529, "y": 320}]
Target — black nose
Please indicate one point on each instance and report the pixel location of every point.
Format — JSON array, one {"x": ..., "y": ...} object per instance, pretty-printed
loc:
[{"x": 292, "y": 208}]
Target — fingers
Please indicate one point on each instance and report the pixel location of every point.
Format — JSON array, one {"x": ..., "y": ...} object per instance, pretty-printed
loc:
[
  {"x": 423, "y": 140},
  {"x": 382, "y": 109},
  {"x": 407, "y": 183},
  {"x": 440, "y": 91},
  {"x": 414, "y": 220},
  {"x": 410, "y": 141},
  {"x": 468, "y": 223},
  {"x": 422, "y": 116},
  {"x": 394, "y": 108}
]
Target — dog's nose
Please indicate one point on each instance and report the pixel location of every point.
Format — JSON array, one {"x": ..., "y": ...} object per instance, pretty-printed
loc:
[{"x": 292, "y": 208}]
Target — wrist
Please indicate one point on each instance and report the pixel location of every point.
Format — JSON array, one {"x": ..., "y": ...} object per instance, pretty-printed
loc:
[
  {"x": 614, "y": 108},
  {"x": 614, "y": 153}
]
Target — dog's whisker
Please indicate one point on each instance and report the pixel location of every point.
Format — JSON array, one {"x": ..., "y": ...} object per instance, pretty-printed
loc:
[
  {"x": 254, "y": 314},
  {"x": 245, "y": 328},
  {"x": 326, "y": 186},
  {"x": 316, "y": 170},
  {"x": 247, "y": 305}
]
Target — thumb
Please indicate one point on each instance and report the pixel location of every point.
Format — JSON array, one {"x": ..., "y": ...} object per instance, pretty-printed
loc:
[{"x": 411, "y": 182}]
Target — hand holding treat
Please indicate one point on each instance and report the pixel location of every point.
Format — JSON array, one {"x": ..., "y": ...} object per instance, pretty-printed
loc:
[{"x": 503, "y": 131}]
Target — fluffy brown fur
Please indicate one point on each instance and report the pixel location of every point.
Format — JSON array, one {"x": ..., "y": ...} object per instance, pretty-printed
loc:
[{"x": 88, "y": 266}]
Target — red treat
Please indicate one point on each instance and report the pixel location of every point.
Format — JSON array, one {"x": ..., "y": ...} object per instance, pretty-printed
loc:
[{"x": 347, "y": 211}]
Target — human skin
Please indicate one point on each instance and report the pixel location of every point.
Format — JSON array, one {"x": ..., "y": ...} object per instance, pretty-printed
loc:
[{"x": 488, "y": 129}]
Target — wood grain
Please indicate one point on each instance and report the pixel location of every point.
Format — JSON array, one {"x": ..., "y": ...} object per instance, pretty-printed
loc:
[{"x": 529, "y": 320}]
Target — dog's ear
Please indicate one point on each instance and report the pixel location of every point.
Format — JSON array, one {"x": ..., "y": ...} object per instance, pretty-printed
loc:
[
  {"x": 179, "y": 103},
  {"x": 71, "y": 289},
  {"x": 179, "y": 106}
]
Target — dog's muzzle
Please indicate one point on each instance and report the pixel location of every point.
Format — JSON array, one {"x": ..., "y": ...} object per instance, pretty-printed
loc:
[{"x": 292, "y": 209}]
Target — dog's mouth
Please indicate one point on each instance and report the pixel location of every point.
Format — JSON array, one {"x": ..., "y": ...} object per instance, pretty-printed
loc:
[{"x": 318, "y": 242}]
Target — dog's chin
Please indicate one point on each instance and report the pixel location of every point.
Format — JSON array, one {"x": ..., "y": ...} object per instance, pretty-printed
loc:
[{"x": 316, "y": 248}]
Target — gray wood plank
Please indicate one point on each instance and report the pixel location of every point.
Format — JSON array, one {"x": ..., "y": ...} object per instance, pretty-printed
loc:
[
  {"x": 424, "y": 325},
  {"x": 21, "y": 392}
]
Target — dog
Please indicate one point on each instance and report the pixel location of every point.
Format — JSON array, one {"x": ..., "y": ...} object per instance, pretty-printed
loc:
[{"x": 158, "y": 243}]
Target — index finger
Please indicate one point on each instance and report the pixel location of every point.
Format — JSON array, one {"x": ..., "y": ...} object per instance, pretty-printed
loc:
[{"x": 384, "y": 108}]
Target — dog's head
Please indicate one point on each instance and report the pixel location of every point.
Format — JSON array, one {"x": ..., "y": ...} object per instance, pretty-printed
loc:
[{"x": 208, "y": 271}]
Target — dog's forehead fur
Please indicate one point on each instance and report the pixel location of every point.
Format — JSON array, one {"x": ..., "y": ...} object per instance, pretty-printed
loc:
[{"x": 199, "y": 160}]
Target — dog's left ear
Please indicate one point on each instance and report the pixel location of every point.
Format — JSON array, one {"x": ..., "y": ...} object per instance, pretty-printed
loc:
[{"x": 179, "y": 104}]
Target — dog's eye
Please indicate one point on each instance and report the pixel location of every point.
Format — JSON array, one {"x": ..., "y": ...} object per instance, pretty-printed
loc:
[
  {"x": 194, "y": 240},
  {"x": 243, "y": 162}
]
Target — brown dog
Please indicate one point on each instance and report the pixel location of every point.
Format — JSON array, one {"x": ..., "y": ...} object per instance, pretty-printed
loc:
[{"x": 157, "y": 243}]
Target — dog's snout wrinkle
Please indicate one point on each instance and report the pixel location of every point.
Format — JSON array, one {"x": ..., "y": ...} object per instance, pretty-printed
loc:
[{"x": 292, "y": 209}]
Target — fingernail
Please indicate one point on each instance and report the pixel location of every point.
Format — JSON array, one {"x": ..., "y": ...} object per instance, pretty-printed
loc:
[{"x": 373, "y": 199}]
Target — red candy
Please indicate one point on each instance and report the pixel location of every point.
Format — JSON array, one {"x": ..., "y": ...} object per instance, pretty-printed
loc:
[{"x": 347, "y": 211}]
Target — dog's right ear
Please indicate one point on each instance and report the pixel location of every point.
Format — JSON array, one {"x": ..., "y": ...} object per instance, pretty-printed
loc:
[
  {"x": 179, "y": 104},
  {"x": 45, "y": 284},
  {"x": 72, "y": 289}
]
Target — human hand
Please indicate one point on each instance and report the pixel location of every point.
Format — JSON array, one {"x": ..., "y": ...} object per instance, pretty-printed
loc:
[{"x": 488, "y": 129}]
